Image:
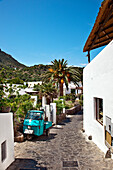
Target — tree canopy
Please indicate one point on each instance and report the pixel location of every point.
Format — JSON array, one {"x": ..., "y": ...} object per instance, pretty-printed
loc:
[{"x": 60, "y": 73}]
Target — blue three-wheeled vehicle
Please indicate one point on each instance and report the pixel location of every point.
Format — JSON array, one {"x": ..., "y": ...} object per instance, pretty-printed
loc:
[{"x": 34, "y": 124}]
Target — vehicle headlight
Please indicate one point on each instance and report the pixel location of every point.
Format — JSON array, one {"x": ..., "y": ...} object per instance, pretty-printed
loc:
[{"x": 29, "y": 127}]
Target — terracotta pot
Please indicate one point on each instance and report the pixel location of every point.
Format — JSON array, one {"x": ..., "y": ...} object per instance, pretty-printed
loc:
[
  {"x": 6, "y": 109},
  {"x": 60, "y": 117},
  {"x": 19, "y": 137}
]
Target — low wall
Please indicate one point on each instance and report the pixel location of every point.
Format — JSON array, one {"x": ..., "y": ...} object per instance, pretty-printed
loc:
[
  {"x": 73, "y": 110},
  {"x": 6, "y": 140},
  {"x": 60, "y": 117}
]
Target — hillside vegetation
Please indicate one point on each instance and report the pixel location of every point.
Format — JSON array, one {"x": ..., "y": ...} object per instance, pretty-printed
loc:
[
  {"x": 8, "y": 60},
  {"x": 14, "y": 69}
]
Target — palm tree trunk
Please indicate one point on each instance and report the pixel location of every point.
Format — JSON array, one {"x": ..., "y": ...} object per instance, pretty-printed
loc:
[
  {"x": 61, "y": 89},
  {"x": 48, "y": 101}
]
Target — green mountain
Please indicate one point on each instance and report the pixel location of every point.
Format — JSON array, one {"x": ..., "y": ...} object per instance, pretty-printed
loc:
[
  {"x": 14, "y": 69},
  {"x": 8, "y": 60}
]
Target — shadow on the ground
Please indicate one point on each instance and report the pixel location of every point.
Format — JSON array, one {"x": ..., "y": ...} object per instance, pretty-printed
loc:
[
  {"x": 51, "y": 135},
  {"x": 64, "y": 122},
  {"x": 80, "y": 118},
  {"x": 44, "y": 137},
  {"x": 25, "y": 164},
  {"x": 80, "y": 112},
  {"x": 68, "y": 120}
]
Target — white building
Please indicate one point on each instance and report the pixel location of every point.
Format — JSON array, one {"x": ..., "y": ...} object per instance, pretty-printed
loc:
[
  {"x": 6, "y": 140},
  {"x": 16, "y": 88},
  {"x": 97, "y": 81},
  {"x": 31, "y": 84},
  {"x": 72, "y": 87},
  {"x": 22, "y": 91}
]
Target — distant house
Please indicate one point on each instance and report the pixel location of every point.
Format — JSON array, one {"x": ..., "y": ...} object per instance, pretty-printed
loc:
[
  {"x": 15, "y": 87},
  {"x": 79, "y": 88},
  {"x": 31, "y": 84},
  {"x": 98, "y": 78},
  {"x": 73, "y": 88},
  {"x": 18, "y": 88}
]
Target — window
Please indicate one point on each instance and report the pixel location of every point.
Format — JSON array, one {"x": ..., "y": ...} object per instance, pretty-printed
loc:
[
  {"x": 99, "y": 110},
  {"x": 3, "y": 151},
  {"x": 72, "y": 90}
]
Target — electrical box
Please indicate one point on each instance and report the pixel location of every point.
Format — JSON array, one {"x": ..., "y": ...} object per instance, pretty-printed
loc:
[{"x": 109, "y": 131}]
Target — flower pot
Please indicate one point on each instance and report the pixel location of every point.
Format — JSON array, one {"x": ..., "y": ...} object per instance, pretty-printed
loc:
[{"x": 6, "y": 109}]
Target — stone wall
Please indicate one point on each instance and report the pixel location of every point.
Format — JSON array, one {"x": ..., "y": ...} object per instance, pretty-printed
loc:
[
  {"x": 60, "y": 117},
  {"x": 73, "y": 110}
]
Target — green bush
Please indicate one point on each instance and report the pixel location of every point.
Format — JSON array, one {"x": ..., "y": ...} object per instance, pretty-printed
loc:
[
  {"x": 71, "y": 97},
  {"x": 59, "y": 106},
  {"x": 16, "y": 80},
  {"x": 81, "y": 97},
  {"x": 20, "y": 105},
  {"x": 23, "y": 108},
  {"x": 68, "y": 104},
  {"x": 81, "y": 100},
  {"x": 39, "y": 102},
  {"x": 61, "y": 97}
]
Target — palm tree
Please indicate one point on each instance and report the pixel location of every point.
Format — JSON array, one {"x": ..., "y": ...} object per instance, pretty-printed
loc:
[
  {"x": 60, "y": 73},
  {"x": 49, "y": 91}
]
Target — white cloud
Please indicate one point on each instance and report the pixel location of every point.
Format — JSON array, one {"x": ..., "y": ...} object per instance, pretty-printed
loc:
[
  {"x": 79, "y": 65},
  {"x": 83, "y": 64},
  {"x": 48, "y": 63}
]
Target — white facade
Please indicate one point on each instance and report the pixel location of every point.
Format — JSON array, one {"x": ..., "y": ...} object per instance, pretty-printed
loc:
[
  {"x": 15, "y": 87},
  {"x": 71, "y": 86},
  {"x": 20, "y": 89},
  {"x": 53, "y": 112},
  {"x": 50, "y": 112},
  {"x": 35, "y": 100},
  {"x": 6, "y": 140},
  {"x": 31, "y": 84},
  {"x": 43, "y": 101},
  {"x": 98, "y": 83}
]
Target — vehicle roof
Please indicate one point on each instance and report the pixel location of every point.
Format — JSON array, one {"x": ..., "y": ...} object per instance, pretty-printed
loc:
[{"x": 36, "y": 111}]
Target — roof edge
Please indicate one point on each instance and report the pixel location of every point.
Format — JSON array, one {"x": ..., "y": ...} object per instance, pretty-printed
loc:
[{"x": 99, "y": 18}]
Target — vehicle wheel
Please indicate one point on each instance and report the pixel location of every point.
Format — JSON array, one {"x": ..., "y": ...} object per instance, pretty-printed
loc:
[
  {"x": 47, "y": 132},
  {"x": 29, "y": 137}
]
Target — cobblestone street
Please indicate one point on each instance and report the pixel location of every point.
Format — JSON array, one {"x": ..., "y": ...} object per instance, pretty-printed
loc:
[{"x": 67, "y": 148}]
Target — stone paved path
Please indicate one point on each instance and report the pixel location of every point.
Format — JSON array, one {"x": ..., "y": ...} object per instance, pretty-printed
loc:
[{"x": 67, "y": 148}]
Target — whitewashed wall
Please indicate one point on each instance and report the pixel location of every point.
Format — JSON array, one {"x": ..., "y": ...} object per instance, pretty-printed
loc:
[
  {"x": 78, "y": 91},
  {"x": 31, "y": 84},
  {"x": 71, "y": 85},
  {"x": 6, "y": 134},
  {"x": 98, "y": 82},
  {"x": 35, "y": 100}
]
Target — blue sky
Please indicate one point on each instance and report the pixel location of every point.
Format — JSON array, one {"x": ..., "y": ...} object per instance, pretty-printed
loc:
[{"x": 39, "y": 31}]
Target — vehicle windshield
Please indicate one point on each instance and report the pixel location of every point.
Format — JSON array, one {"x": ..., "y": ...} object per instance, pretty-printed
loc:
[{"x": 33, "y": 115}]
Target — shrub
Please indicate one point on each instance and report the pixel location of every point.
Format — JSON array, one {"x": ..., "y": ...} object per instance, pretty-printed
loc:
[
  {"x": 68, "y": 104},
  {"x": 61, "y": 97},
  {"x": 59, "y": 106},
  {"x": 16, "y": 80},
  {"x": 81, "y": 100},
  {"x": 71, "y": 97},
  {"x": 21, "y": 104},
  {"x": 23, "y": 108}
]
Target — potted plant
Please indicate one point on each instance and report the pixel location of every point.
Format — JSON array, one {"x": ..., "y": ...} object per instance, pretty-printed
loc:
[{"x": 6, "y": 105}]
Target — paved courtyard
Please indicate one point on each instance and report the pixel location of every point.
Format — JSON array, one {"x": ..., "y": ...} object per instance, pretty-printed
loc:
[{"x": 67, "y": 148}]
